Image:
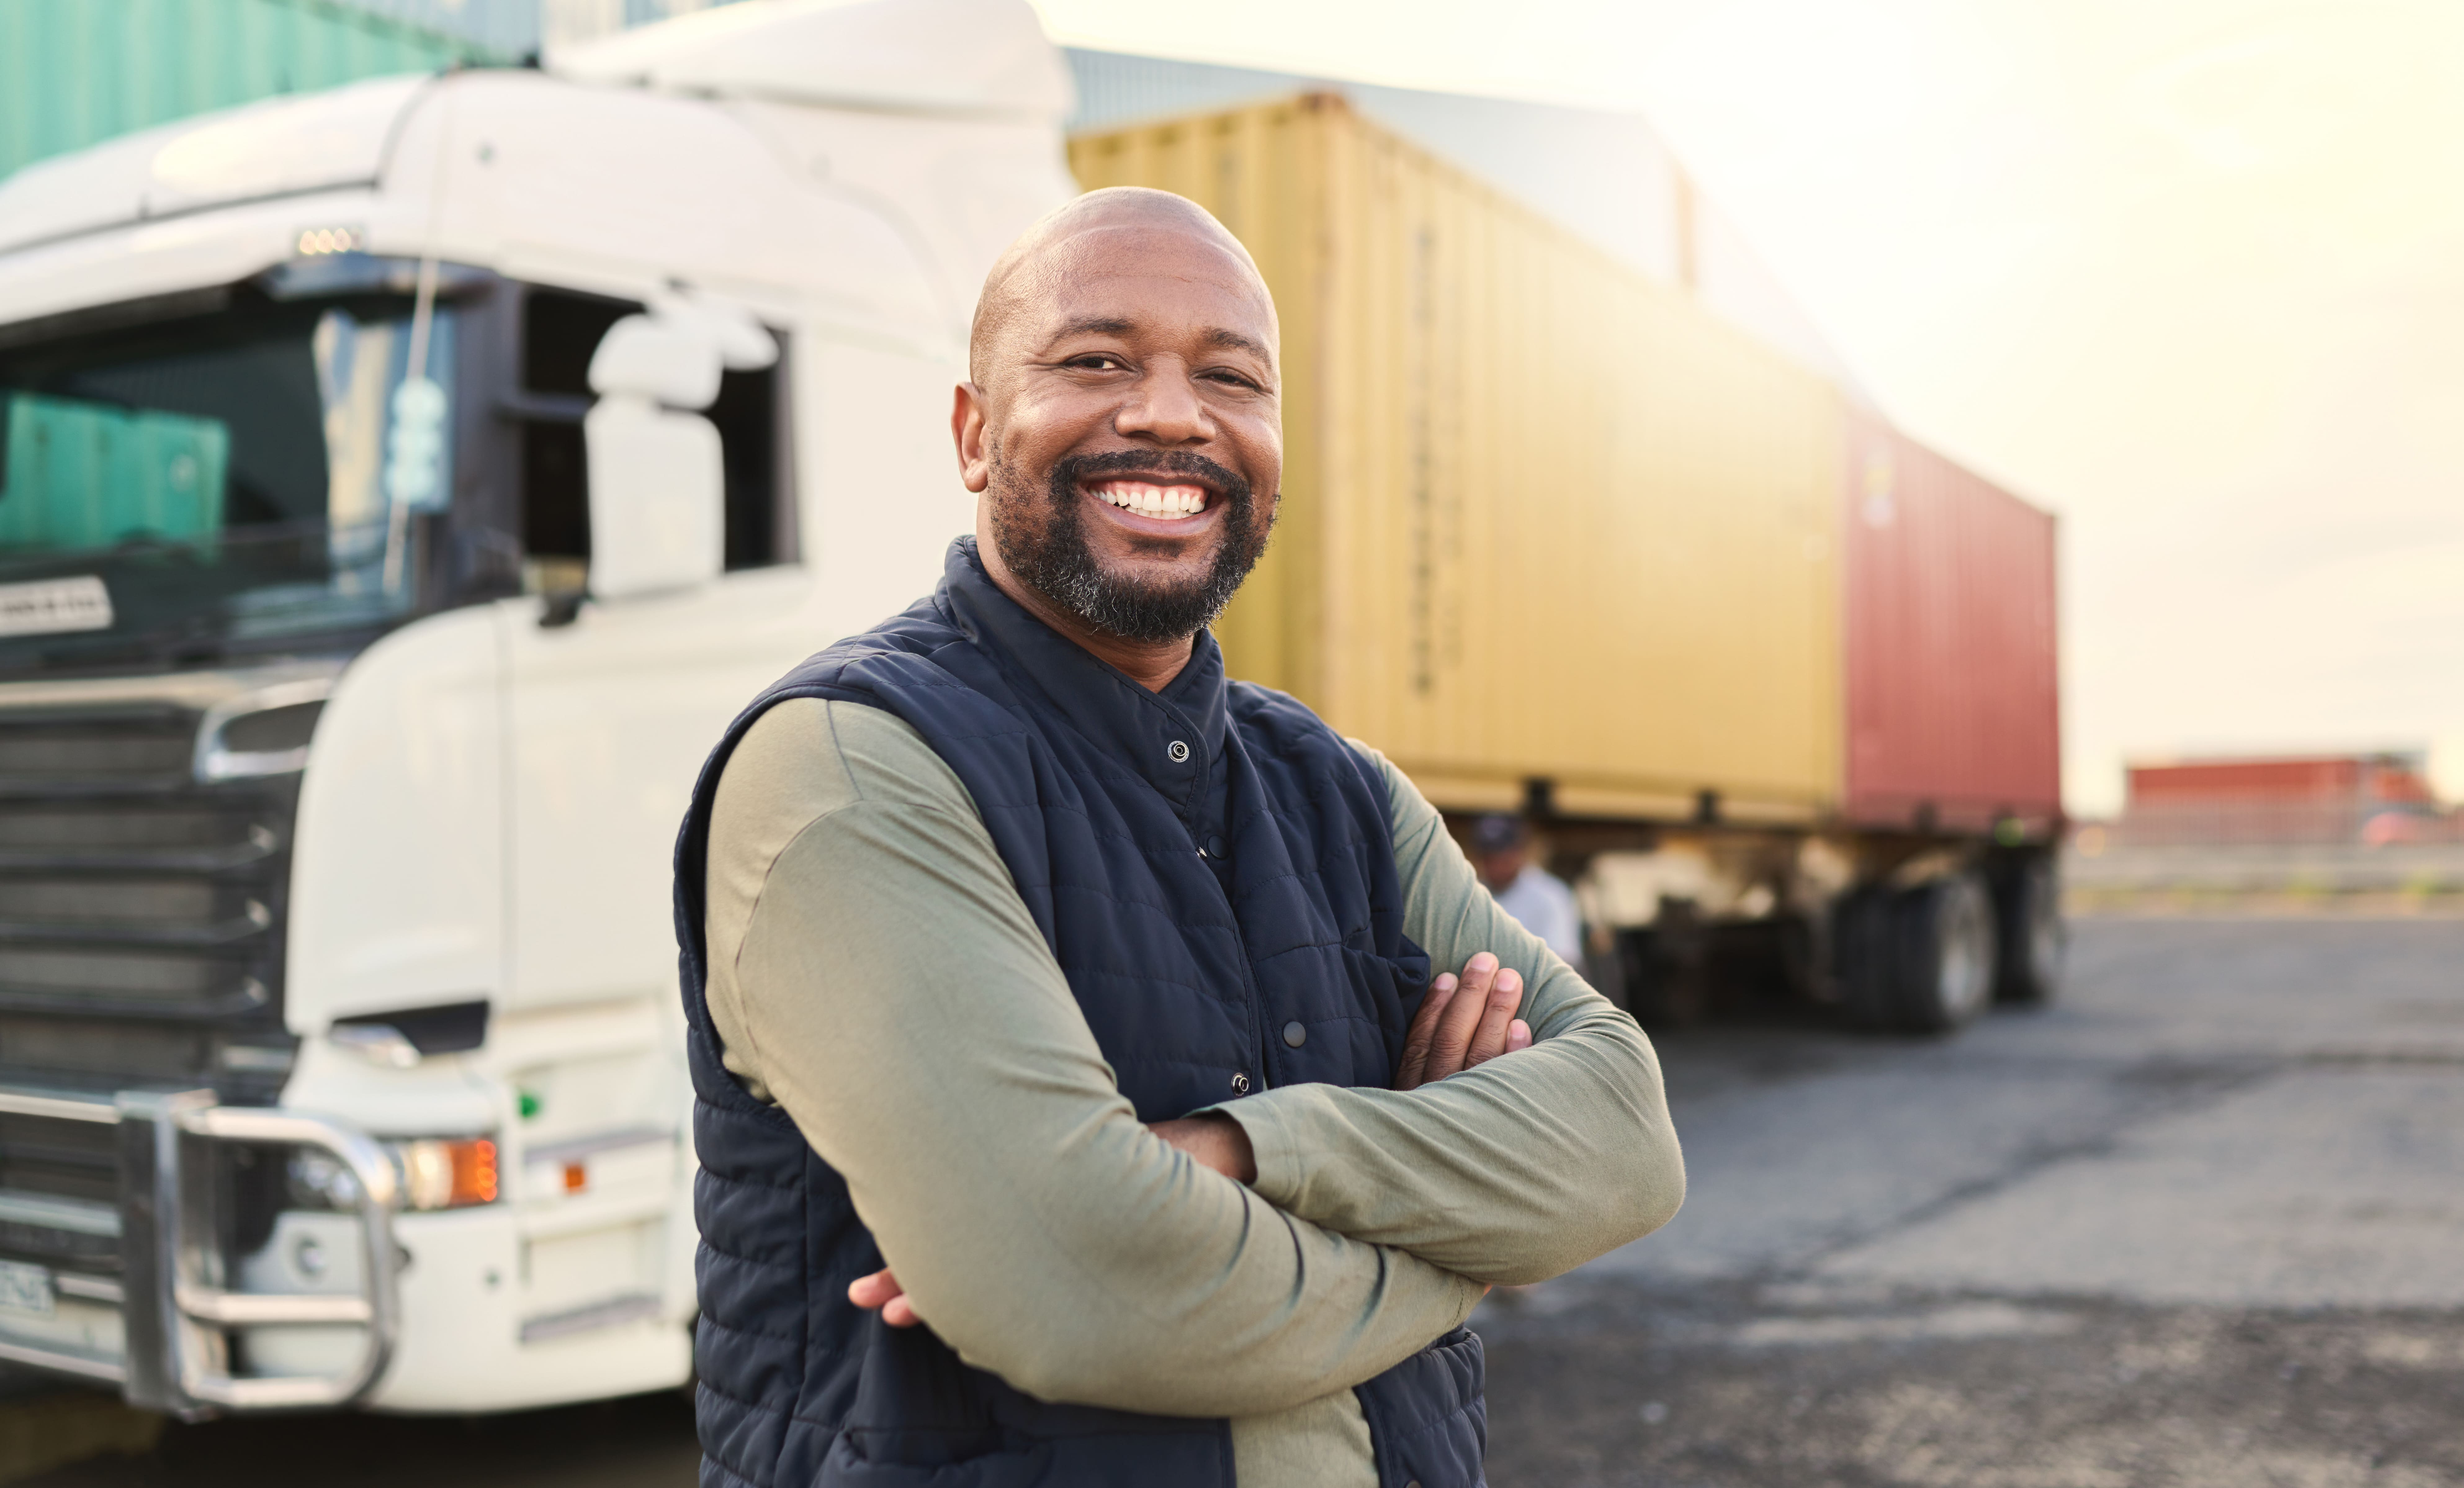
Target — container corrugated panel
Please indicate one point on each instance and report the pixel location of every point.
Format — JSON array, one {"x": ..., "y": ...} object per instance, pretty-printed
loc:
[
  {"x": 1545, "y": 518},
  {"x": 1952, "y": 695},
  {"x": 75, "y": 73}
]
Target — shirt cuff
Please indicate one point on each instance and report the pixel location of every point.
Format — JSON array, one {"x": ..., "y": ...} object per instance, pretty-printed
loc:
[{"x": 1274, "y": 1121}]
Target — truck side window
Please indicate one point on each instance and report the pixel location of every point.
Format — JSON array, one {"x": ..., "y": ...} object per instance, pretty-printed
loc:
[{"x": 560, "y": 330}]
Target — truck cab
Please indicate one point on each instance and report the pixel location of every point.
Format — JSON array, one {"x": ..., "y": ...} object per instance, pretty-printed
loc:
[{"x": 400, "y": 488}]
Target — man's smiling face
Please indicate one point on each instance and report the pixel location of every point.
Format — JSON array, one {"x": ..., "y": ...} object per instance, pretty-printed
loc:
[{"x": 1124, "y": 425}]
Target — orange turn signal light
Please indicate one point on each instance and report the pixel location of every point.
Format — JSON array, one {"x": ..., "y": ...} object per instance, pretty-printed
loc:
[{"x": 447, "y": 1174}]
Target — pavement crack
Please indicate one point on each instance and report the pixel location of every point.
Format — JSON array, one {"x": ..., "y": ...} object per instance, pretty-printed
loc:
[{"x": 2170, "y": 1086}]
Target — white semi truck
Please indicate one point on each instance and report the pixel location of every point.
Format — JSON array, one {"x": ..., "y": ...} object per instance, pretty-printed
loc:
[{"x": 402, "y": 486}]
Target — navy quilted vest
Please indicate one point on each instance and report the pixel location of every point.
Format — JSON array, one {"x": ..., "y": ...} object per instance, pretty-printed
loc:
[{"x": 1189, "y": 972}]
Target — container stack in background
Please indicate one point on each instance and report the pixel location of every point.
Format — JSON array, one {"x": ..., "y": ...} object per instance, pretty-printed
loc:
[
  {"x": 1587, "y": 523},
  {"x": 2361, "y": 834}
]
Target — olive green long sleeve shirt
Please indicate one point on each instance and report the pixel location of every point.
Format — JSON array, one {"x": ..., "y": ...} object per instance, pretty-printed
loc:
[{"x": 874, "y": 971}]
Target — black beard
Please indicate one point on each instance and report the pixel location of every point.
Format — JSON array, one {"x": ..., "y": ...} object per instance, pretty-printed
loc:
[{"x": 1055, "y": 561}]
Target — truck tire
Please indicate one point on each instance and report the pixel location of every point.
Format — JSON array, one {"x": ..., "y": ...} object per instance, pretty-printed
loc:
[
  {"x": 1865, "y": 959},
  {"x": 1915, "y": 960},
  {"x": 2029, "y": 910},
  {"x": 1946, "y": 936}
]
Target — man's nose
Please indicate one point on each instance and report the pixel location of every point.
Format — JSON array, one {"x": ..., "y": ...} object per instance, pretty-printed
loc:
[{"x": 1165, "y": 407}]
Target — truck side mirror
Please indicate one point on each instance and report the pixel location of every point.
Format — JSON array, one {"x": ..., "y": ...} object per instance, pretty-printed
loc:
[{"x": 659, "y": 516}]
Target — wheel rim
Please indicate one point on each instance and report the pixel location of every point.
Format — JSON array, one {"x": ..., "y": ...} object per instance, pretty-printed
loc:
[
  {"x": 1962, "y": 964},
  {"x": 2044, "y": 931}
]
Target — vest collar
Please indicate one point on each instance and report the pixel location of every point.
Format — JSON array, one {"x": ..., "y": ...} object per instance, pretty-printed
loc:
[{"x": 1130, "y": 723}]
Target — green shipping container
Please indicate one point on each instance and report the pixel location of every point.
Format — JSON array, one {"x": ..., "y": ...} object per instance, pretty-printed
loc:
[
  {"x": 86, "y": 476},
  {"x": 75, "y": 73}
]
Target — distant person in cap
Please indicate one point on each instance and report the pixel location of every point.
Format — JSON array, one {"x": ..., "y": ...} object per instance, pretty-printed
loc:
[
  {"x": 1077, "y": 1103},
  {"x": 1539, "y": 900}
]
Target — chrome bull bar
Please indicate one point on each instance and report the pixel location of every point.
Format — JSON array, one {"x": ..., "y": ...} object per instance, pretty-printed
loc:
[{"x": 174, "y": 1306}]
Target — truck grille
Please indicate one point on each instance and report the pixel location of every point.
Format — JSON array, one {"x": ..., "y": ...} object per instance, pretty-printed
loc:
[
  {"x": 143, "y": 746},
  {"x": 141, "y": 948},
  {"x": 127, "y": 889}
]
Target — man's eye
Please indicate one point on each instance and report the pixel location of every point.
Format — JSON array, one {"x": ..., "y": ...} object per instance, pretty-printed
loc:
[{"x": 1097, "y": 364}]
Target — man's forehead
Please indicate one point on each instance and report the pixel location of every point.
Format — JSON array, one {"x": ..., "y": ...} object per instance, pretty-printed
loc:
[
  {"x": 1142, "y": 262},
  {"x": 1130, "y": 279}
]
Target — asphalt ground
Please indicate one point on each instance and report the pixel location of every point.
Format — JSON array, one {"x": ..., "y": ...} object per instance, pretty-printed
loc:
[{"x": 2199, "y": 1223}]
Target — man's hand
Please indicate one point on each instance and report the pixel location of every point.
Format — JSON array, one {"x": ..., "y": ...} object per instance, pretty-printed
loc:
[
  {"x": 1462, "y": 1022},
  {"x": 882, "y": 1290},
  {"x": 1216, "y": 1142}
]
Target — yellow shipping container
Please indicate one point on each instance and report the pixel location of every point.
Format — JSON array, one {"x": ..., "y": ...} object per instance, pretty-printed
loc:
[{"x": 1544, "y": 518}]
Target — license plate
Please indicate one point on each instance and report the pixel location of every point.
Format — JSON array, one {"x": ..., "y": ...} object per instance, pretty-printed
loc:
[
  {"x": 25, "y": 1288},
  {"x": 51, "y": 606}
]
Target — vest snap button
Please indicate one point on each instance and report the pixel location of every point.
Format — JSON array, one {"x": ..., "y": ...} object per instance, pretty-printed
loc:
[
  {"x": 1239, "y": 1083},
  {"x": 1294, "y": 1035},
  {"x": 1215, "y": 847},
  {"x": 1178, "y": 752}
]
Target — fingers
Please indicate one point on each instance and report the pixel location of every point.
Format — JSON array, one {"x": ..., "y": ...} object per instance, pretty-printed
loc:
[
  {"x": 1464, "y": 1022},
  {"x": 1462, "y": 1015},
  {"x": 1425, "y": 1029},
  {"x": 1460, "y": 1021},
  {"x": 1490, "y": 1036},
  {"x": 880, "y": 1289}
]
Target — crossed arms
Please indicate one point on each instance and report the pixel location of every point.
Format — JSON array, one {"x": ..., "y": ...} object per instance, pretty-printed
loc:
[
  {"x": 942, "y": 1066},
  {"x": 1465, "y": 1021}
]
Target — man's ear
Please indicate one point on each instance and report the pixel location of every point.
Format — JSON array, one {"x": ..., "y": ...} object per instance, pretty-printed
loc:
[{"x": 967, "y": 432}]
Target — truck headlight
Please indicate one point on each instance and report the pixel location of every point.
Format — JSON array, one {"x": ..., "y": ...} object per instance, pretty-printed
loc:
[{"x": 434, "y": 1173}]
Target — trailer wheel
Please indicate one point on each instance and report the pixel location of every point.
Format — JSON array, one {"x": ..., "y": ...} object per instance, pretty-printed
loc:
[
  {"x": 2030, "y": 912},
  {"x": 1865, "y": 959},
  {"x": 1948, "y": 940},
  {"x": 1917, "y": 960}
]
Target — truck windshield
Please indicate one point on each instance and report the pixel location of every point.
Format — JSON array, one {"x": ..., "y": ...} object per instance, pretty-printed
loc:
[{"x": 176, "y": 490}]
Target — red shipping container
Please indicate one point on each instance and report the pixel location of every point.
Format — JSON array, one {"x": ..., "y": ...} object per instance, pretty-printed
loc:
[
  {"x": 2316, "y": 798},
  {"x": 2373, "y": 777},
  {"x": 2324, "y": 779},
  {"x": 1953, "y": 706}
]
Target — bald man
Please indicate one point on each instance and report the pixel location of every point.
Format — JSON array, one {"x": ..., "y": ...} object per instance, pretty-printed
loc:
[{"x": 1076, "y": 1105}]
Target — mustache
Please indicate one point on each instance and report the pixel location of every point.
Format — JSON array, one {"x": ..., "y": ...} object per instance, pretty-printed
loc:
[{"x": 1067, "y": 473}]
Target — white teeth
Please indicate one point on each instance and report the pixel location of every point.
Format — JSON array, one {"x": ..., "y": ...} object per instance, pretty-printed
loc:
[{"x": 1167, "y": 501}]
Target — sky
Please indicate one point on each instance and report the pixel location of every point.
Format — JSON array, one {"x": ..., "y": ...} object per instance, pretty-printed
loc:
[{"x": 2188, "y": 273}]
